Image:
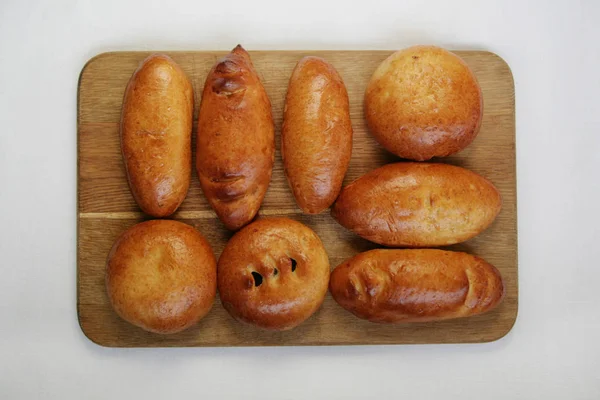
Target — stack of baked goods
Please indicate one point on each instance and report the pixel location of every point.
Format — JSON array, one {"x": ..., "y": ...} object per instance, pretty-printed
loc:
[{"x": 274, "y": 273}]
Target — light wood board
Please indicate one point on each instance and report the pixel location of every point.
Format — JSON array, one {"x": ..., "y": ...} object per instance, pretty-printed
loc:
[{"x": 106, "y": 207}]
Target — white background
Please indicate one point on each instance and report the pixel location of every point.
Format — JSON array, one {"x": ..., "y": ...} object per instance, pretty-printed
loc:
[{"x": 553, "y": 351}]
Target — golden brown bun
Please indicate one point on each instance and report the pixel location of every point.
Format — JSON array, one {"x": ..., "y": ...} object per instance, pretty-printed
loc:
[
  {"x": 416, "y": 285},
  {"x": 423, "y": 102},
  {"x": 156, "y": 135},
  {"x": 161, "y": 275},
  {"x": 273, "y": 274},
  {"x": 316, "y": 136},
  {"x": 418, "y": 205},
  {"x": 236, "y": 140}
]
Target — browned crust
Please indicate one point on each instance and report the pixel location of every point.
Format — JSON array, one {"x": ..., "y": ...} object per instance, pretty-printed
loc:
[
  {"x": 316, "y": 136},
  {"x": 236, "y": 140},
  {"x": 424, "y": 102},
  {"x": 293, "y": 268},
  {"x": 161, "y": 276},
  {"x": 418, "y": 205},
  {"x": 416, "y": 285},
  {"x": 156, "y": 134}
]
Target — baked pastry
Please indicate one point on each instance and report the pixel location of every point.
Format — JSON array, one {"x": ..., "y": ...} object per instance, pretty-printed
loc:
[
  {"x": 236, "y": 140},
  {"x": 418, "y": 205},
  {"x": 423, "y": 102},
  {"x": 156, "y": 135},
  {"x": 416, "y": 285},
  {"x": 316, "y": 136},
  {"x": 161, "y": 275},
  {"x": 273, "y": 274}
]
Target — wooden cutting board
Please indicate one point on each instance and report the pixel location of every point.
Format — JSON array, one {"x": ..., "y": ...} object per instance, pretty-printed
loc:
[{"x": 106, "y": 207}]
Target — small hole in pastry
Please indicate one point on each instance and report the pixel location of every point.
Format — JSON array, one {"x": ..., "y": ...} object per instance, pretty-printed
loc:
[{"x": 257, "y": 278}]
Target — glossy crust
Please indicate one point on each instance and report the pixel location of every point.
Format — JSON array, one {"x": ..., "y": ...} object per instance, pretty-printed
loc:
[
  {"x": 416, "y": 285},
  {"x": 423, "y": 102},
  {"x": 316, "y": 136},
  {"x": 273, "y": 274},
  {"x": 236, "y": 140},
  {"x": 161, "y": 275},
  {"x": 156, "y": 135},
  {"x": 418, "y": 205}
]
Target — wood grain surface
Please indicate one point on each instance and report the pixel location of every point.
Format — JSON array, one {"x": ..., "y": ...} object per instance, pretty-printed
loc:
[{"x": 106, "y": 207}]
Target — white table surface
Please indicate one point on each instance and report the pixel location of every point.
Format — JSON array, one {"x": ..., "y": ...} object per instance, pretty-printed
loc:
[{"x": 553, "y": 350}]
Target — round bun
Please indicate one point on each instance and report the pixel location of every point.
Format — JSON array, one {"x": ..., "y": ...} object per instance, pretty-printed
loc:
[
  {"x": 423, "y": 102},
  {"x": 273, "y": 274},
  {"x": 161, "y": 275}
]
